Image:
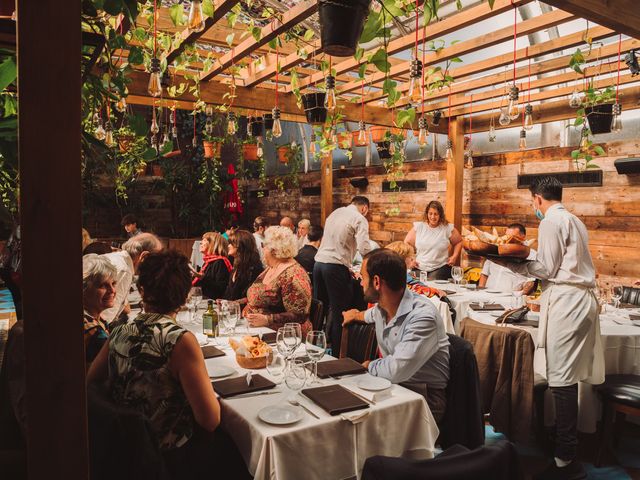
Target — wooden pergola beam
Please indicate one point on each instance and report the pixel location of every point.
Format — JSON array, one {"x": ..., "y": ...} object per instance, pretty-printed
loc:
[
  {"x": 455, "y": 22},
  {"x": 326, "y": 187},
  {"x": 277, "y": 26},
  {"x": 455, "y": 175},
  {"x": 489, "y": 39},
  {"x": 623, "y": 16},
  {"x": 221, "y": 8}
]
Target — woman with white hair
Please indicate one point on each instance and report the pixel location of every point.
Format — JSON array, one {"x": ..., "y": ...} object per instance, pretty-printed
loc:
[
  {"x": 98, "y": 294},
  {"x": 282, "y": 293}
]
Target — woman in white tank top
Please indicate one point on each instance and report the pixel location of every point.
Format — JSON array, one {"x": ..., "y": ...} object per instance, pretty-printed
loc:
[{"x": 432, "y": 238}]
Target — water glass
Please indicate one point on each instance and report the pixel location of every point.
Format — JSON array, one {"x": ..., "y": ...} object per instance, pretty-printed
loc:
[
  {"x": 285, "y": 341},
  {"x": 298, "y": 331},
  {"x": 295, "y": 376},
  {"x": 424, "y": 276},
  {"x": 316, "y": 345},
  {"x": 457, "y": 273},
  {"x": 276, "y": 365},
  {"x": 616, "y": 295}
]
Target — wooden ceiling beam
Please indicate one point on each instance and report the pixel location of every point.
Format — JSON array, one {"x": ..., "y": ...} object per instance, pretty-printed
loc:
[
  {"x": 286, "y": 63},
  {"x": 435, "y": 30},
  {"x": 277, "y": 26},
  {"x": 489, "y": 39},
  {"x": 623, "y": 16},
  {"x": 220, "y": 9},
  {"x": 536, "y": 50}
]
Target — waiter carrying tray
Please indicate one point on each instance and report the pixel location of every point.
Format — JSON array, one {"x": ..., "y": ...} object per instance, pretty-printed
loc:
[{"x": 569, "y": 348}]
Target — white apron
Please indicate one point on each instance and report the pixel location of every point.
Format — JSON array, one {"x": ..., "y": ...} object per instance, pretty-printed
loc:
[{"x": 569, "y": 348}]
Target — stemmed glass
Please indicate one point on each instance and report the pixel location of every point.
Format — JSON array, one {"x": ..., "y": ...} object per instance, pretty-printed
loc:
[
  {"x": 316, "y": 346},
  {"x": 457, "y": 273},
  {"x": 230, "y": 313},
  {"x": 517, "y": 293},
  {"x": 276, "y": 365},
  {"x": 297, "y": 328},
  {"x": 285, "y": 341},
  {"x": 295, "y": 377},
  {"x": 194, "y": 299},
  {"x": 616, "y": 295}
]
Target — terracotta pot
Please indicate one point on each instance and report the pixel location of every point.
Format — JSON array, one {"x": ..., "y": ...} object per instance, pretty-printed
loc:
[
  {"x": 156, "y": 171},
  {"x": 355, "y": 142},
  {"x": 283, "y": 154},
  {"x": 250, "y": 152},
  {"x": 125, "y": 141},
  {"x": 378, "y": 133},
  {"x": 212, "y": 149}
]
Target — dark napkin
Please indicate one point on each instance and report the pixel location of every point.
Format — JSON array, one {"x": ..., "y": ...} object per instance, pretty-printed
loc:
[
  {"x": 236, "y": 386},
  {"x": 488, "y": 307},
  {"x": 334, "y": 399},
  {"x": 209, "y": 351},
  {"x": 633, "y": 317},
  {"x": 628, "y": 306},
  {"x": 335, "y": 368},
  {"x": 269, "y": 337}
]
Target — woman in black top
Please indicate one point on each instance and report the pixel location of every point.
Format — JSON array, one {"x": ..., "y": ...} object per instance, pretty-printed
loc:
[
  {"x": 214, "y": 276},
  {"x": 246, "y": 265}
]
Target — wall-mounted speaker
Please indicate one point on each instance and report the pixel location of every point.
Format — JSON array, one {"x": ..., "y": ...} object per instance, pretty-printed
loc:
[
  {"x": 627, "y": 165},
  {"x": 359, "y": 182}
]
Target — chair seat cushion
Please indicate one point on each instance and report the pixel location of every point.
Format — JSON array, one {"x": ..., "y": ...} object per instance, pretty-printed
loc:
[{"x": 624, "y": 389}]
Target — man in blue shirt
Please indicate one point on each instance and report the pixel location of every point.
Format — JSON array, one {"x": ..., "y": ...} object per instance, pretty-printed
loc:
[{"x": 410, "y": 333}]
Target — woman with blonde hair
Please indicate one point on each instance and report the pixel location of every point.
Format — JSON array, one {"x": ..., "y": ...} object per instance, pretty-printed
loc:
[
  {"x": 432, "y": 238},
  {"x": 282, "y": 293},
  {"x": 214, "y": 275}
]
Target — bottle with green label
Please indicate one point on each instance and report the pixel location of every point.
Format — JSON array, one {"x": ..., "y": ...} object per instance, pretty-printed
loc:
[{"x": 210, "y": 321}]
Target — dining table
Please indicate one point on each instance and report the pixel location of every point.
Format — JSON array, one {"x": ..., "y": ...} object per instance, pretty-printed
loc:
[
  {"x": 397, "y": 421},
  {"x": 620, "y": 341}
]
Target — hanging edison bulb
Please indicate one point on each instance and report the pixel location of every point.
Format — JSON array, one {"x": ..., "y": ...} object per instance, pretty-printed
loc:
[
  {"x": 250, "y": 121},
  {"x": 194, "y": 142},
  {"x": 504, "y": 118},
  {"x": 362, "y": 134},
  {"x": 492, "y": 130},
  {"x": 208, "y": 110},
  {"x": 423, "y": 133},
  {"x": 121, "y": 104},
  {"x": 165, "y": 141},
  {"x": 100, "y": 132},
  {"x": 259, "y": 150},
  {"x": 154, "y": 143},
  {"x": 514, "y": 107},
  {"x": 468, "y": 159},
  {"x": 312, "y": 145},
  {"x": 414, "y": 94},
  {"x": 276, "y": 130},
  {"x": 330, "y": 95},
  {"x": 196, "y": 17},
  {"x": 108, "y": 136},
  {"x": 616, "y": 121},
  {"x": 448, "y": 154},
  {"x": 232, "y": 128},
  {"x": 584, "y": 140},
  {"x": 96, "y": 118},
  {"x": 155, "y": 79},
  {"x": 523, "y": 139},
  {"x": 528, "y": 117},
  {"x": 575, "y": 100},
  {"x": 392, "y": 147},
  {"x": 154, "y": 123}
]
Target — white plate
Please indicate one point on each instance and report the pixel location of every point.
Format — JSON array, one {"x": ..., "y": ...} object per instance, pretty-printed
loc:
[
  {"x": 280, "y": 414},
  {"x": 373, "y": 383},
  {"x": 440, "y": 282},
  {"x": 220, "y": 371},
  {"x": 493, "y": 290}
]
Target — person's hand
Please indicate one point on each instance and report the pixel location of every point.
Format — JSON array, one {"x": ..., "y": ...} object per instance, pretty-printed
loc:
[
  {"x": 127, "y": 308},
  {"x": 366, "y": 363},
  {"x": 257, "y": 319},
  {"x": 350, "y": 316},
  {"x": 453, "y": 259},
  {"x": 439, "y": 293}
]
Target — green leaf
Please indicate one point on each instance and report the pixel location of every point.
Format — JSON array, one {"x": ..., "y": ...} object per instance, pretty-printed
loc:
[
  {"x": 579, "y": 121},
  {"x": 308, "y": 35},
  {"x": 207, "y": 8},
  {"x": 371, "y": 27},
  {"x": 272, "y": 43},
  {"x": 149, "y": 154},
  {"x": 456, "y": 60},
  {"x": 379, "y": 59},
  {"x": 491, "y": 2},
  {"x": 359, "y": 53},
  {"x": 599, "y": 150},
  {"x": 8, "y": 72},
  {"x": 113, "y": 7},
  {"x": 361, "y": 70},
  {"x": 257, "y": 33},
  {"x": 229, "y": 39},
  {"x": 176, "y": 12},
  {"x": 575, "y": 154},
  {"x": 136, "y": 55},
  {"x": 138, "y": 124},
  {"x": 592, "y": 165}
]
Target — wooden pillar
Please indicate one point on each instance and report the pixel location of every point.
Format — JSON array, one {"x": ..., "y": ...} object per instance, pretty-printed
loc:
[
  {"x": 326, "y": 187},
  {"x": 49, "y": 92},
  {"x": 455, "y": 174}
]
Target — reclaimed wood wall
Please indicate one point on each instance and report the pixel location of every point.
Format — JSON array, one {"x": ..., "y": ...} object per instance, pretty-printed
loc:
[{"x": 491, "y": 199}]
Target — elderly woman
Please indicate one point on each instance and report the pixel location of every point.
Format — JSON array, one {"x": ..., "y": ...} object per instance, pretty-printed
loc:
[
  {"x": 282, "y": 293},
  {"x": 246, "y": 265},
  {"x": 213, "y": 278},
  {"x": 156, "y": 367},
  {"x": 98, "y": 294},
  {"x": 431, "y": 239}
]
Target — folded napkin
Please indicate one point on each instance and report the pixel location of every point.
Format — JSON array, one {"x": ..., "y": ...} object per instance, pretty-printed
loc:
[
  {"x": 335, "y": 368},
  {"x": 335, "y": 399},
  {"x": 355, "y": 417},
  {"x": 236, "y": 386},
  {"x": 375, "y": 397},
  {"x": 487, "y": 307},
  {"x": 212, "y": 352},
  {"x": 269, "y": 337}
]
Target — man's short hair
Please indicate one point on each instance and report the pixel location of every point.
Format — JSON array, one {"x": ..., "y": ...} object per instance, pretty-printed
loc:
[
  {"x": 145, "y": 242},
  {"x": 360, "y": 200},
  {"x": 547, "y": 187},
  {"x": 389, "y": 266},
  {"x": 315, "y": 233},
  {"x": 128, "y": 219},
  {"x": 260, "y": 222},
  {"x": 521, "y": 228}
]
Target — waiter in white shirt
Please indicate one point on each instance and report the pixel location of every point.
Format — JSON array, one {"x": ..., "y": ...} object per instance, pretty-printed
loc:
[
  {"x": 569, "y": 348},
  {"x": 497, "y": 277},
  {"x": 345, "y": 231}
]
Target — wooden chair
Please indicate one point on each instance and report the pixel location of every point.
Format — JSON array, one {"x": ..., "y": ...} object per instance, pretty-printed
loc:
[
  {"x": 620, "y": 395},
  {"x": 316, "y": 314},
  {"x": 359, "y": 342},
  {"x": 630, "y": 295}
]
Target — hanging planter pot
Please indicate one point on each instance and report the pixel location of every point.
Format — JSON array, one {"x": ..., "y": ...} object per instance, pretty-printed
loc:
[
  {"x": 212, "y": 149},
  {"x": 341, "y": 23},
  {"x": 378, "y": 133},
  {"x": 142, "y": 170},
  {"x": 355, "y": 142},
  {"x": 383, "y": 150},
  {"x": 314, "y": 108},
  {"x": 250, "y": 152},
  {"x": 599, "y": 118},
  {"x": 283, "y": 154},
  {"x": 344, "y": 140},
  {"x": 268, "y": 121},
  {"x": 156, "y": 170},
  {"x": 256, "y": 127},
  {"x": 125, "y": 141}
]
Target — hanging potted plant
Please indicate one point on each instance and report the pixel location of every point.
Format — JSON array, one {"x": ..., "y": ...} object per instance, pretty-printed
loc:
[
  {"x": 314, "y": 108},
  {"x": 598, "y": 108},
  {"x": 284, "y": 152},
  {"x": 212, "y": 146},
  {"x": 126, "y": 137},
  {"x": 378, "y": 133},
  {"x": 250, "y": 150},
  {"x": 341, "y": 24},
  {"x": 156, "y": 170}
]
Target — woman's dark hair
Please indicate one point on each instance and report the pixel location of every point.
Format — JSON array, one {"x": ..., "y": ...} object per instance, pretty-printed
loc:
[
  {"x": 165, "y": 280},
  {"x": 246, "y": 256},
  {"x": 315, "y": 233},
  {"x": 389, "y": 266},
  {"x": 547, "y": 187},
  {"x": 436, "y": 205}
]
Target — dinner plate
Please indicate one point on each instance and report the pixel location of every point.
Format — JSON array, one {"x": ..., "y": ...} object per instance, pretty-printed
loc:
[
  {"x": 440, "y": 282},
  {"x": 493, "y": 290},
  {"x": 280, "y": 414},
  {"x": 373, "y": 384},
  {"x": 220, "y": 371}
]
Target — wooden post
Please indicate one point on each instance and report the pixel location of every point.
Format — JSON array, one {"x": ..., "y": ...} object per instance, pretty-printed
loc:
[
  {"x": 455, "y": 174},
  {"x": 49, "y": 45},
  {"x": 326, "y": 187}
]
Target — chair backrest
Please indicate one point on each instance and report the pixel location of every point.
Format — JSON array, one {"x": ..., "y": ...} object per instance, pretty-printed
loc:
[
  {"x": 316, "y": 314},
  {"x": 630, "y": 295},
  {"x": 359, "y": 342}
]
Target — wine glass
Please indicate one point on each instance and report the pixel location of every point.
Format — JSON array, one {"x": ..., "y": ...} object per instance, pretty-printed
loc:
[
  {"x": 616, "y": 295},
  {"x": 424, "y": 276},
  {"x": 295, "y": 377},
  {"x": 228, "y": 314},
  {"x": 282, "y": 344},
  {"x": 517, "y": 294},
  {"x": 298, "y": 331},
  {"x": 316, "y": 346},
  {"x": 196, "y": 296},
  {"x": 233, "y": 309},
  {"x": 276, "y": 365},
  {"x": 457, "y": 273}
]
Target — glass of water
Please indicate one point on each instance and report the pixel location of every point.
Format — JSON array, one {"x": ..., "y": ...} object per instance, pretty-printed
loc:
[
  {"x": 616, "y": 295},
  {"x": 295, "y": 377},
  {"x": 276, "y": 365},
  {"x": 316, "y": 345},
  {"x": 457, "y": 273}
]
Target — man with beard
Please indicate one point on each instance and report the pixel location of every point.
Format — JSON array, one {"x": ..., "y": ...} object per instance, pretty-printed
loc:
[{"x": 411, "y": 336}]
